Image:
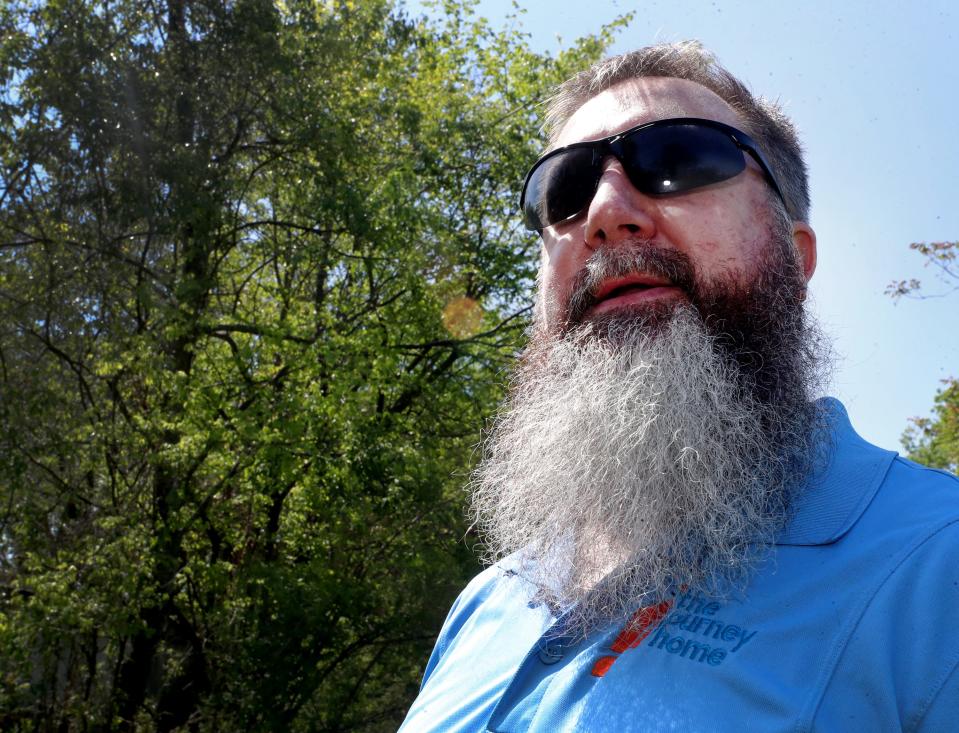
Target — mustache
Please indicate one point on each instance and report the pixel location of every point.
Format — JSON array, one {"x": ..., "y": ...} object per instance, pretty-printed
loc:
[{"x": 634, "y": 256}]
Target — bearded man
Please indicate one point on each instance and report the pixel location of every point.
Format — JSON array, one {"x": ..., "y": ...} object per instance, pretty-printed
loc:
[{"x": 682, "y": 536}]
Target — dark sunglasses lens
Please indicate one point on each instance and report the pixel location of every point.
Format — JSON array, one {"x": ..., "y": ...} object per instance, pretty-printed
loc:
[
  {"x": 678, "y": 158},
  {"x": 561, "y": 186}
]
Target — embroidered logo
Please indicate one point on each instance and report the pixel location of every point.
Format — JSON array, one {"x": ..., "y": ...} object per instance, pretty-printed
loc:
[{"x": 687, "y": 628}]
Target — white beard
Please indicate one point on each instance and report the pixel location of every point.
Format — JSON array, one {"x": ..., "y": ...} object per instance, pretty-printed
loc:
[{"x": 629, "y": 464}]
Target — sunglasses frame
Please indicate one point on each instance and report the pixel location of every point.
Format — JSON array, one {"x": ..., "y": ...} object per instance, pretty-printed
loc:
[{"x": 613, "y": 146}]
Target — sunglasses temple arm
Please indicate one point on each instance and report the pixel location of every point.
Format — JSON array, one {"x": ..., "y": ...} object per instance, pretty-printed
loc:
[{"x": 767, "y": 171}]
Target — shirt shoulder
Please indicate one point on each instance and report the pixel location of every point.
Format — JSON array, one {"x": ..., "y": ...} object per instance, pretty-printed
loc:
[
  {"x": 917, "y": 497},
  {"x": 487, "y": 634},
  {"x": 902, "y": 646},
  {"x": 467, "y": 605}
]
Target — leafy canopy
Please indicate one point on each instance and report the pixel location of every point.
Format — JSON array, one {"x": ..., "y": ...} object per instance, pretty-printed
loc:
[{"x": 260, "y": 276}]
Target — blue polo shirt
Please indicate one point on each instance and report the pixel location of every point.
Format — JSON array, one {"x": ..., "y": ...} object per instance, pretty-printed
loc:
[{"x": 850, "y": 624}]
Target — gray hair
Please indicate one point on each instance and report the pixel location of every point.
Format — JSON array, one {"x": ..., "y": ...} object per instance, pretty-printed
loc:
[{"x": 762, "y": 118}]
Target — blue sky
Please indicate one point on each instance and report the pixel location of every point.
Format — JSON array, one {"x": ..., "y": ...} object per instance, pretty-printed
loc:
[{"x": 874, "y": 89}]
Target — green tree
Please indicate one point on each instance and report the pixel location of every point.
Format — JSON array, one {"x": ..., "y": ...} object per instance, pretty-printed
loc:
[
  {"x": 260, "y": 275},
  {"x": 935, "y": 441}
]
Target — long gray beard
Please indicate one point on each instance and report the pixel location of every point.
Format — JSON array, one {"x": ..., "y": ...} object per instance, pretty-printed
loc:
[{"x": 633, "y": 463}]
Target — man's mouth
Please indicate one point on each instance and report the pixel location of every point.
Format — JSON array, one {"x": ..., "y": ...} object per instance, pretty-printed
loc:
[{"x": 631, "y": 290}]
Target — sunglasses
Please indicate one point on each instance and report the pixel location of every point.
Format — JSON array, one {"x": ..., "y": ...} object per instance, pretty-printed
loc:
[{"x": 662, "y": 157}]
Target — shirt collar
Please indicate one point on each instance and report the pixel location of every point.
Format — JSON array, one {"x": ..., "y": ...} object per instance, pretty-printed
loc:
[{"x": 840, "y": 487}]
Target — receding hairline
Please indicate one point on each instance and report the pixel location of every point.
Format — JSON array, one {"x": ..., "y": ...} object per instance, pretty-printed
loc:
[{"x": 669, "y": 103}]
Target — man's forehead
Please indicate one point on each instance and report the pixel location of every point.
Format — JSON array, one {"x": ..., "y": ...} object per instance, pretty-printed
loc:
[{"x": 636, "y": 101}]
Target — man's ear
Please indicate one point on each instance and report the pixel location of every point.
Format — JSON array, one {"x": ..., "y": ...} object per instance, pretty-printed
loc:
[{"x": 804, "y": 239}]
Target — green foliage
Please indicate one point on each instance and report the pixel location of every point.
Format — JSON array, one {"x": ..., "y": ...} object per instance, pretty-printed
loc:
[
  {"x": 260, "y": 275},
  {"x": 935, "y": 441}
]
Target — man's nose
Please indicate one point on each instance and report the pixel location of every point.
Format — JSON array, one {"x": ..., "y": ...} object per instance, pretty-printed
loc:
[{"x": 618, "y": 211}]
